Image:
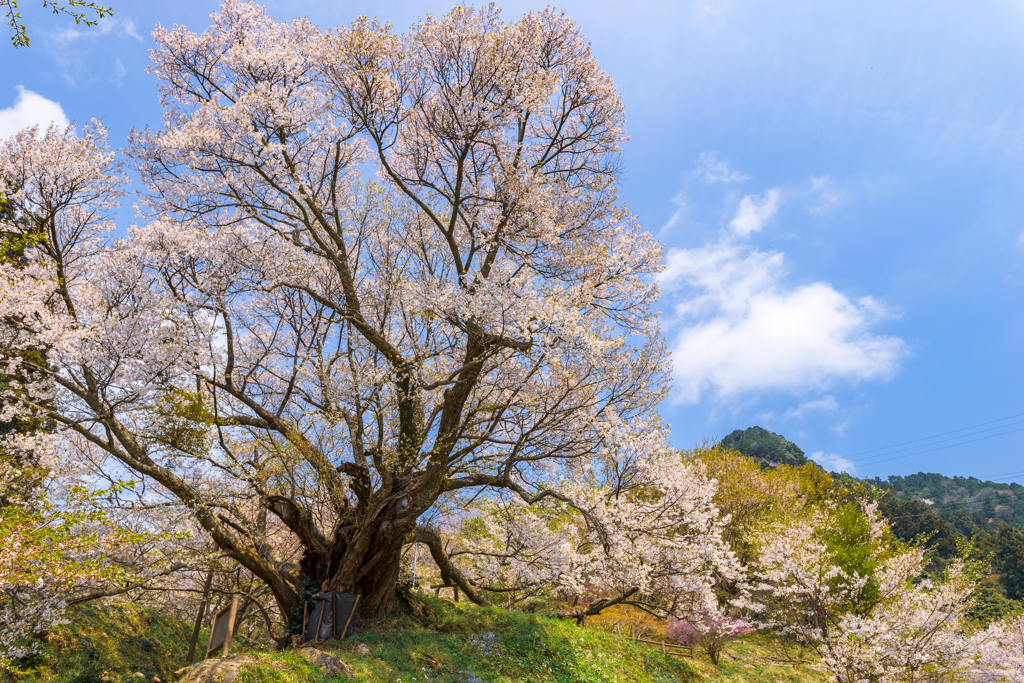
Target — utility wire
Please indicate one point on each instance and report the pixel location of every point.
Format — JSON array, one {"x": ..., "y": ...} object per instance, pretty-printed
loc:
[
  {"x": 954, "y": 431},
  {"x": 952, "y": 438},
  {"x": 932, "y": 450}
]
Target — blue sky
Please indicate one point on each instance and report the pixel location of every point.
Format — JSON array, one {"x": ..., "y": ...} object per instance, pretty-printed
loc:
[{"x": 840, "y": 190}]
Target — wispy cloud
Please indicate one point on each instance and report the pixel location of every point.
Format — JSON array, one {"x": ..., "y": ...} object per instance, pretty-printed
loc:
[
  {"x": 833, "y": 462},
  {"x": 840, "y": 427},
  {"x": 825, "y": 194},
  {"x": 673, "y": 220},
  {"x": 30, "y": 109},
  {"x": 824, "y": 405},
  {"x": 754, "y": 211},
  {"x": 713, "y": 170},
  {"x": 69, "y": 46},
  {"x": 105, "y": 27}
]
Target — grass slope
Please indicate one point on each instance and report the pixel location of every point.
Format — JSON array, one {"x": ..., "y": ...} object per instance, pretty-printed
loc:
[
  {"x": 472, "y": 644},
  {"x": 750, "y": 660},
  {"x": 109, "y": 643},
  {"x": 441, "y": 642}
]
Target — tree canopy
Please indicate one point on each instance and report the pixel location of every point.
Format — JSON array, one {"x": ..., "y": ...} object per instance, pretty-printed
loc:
[{"x": 377, "y": 274}]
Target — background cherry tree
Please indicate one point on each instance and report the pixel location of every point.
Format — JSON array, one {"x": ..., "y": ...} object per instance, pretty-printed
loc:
[
  {"x": 636, "y": 525},
  {"x": 891, "y": 623}
]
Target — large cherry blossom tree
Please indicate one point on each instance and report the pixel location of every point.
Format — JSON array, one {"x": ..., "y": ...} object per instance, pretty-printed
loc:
[{"x": 375, "y": 272}]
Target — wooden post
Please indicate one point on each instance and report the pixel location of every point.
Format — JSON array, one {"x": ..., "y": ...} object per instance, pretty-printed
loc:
[
  {"x": 663, "y": 647},
  {"x": 199, "y": 617},
  {"x": 231, "y": 626},
  {"x": 352, "y": 613}
]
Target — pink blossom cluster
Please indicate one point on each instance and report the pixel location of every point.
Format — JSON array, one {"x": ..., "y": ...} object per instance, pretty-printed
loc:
[{"x": 689, "y": 633}]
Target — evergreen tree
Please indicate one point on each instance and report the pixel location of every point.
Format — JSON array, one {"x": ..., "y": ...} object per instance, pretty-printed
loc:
[{"x": 1010, "y": 560}]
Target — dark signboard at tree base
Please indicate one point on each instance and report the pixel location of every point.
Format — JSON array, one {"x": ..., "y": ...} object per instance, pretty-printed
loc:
[
  {"x": 328, "y": 615},
  {"x": 223, "y": 628}
]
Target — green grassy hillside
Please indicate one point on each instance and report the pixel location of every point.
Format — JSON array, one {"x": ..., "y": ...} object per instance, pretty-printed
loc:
[
  {"x": 108, "y": 643},
  {"x": 442, "y": 642}
]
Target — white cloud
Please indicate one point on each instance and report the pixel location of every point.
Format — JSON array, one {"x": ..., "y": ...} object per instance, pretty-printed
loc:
[
  {"x": 840, "y": 427},
  {"x": 104, "y": 27},
  {"x": 833, "y": 462},
  {"x": 30, "y": 109},
  {"x": 676, "y": 215},
  {"x": 740, "y": 330},
  {"x": 119, "y": 69},
  {"x": 715, "y": 171},
  {"x": 754, "y": 211},
  {"x": 129, "y": 28},
  {"x": 824, "y": 405}
]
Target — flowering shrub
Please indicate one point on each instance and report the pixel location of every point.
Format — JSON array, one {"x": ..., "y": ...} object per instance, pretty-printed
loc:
[
  {"x": 710, "y": 632},
  {"x": 44, "y": 554}
]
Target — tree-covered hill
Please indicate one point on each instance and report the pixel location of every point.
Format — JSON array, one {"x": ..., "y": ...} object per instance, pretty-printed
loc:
[
  {"x": 968, "y": 503},
  {"x": 768, "y": 447}
]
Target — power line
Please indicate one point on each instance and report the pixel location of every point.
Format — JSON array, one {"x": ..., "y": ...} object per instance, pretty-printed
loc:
[
  {"x": 934, "y": 443},
  {"x": 954, "y": 431},
  {"x": 932, "y": 450}
]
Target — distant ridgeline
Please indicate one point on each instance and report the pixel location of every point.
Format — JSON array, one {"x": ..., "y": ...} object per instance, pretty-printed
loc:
[
  {"x": 768, "y": 447},
  {"x": 968, "y": 503},
  {"x": 943, "y": 506}
]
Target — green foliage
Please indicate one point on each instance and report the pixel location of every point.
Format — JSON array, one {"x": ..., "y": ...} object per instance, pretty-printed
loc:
[
  {"x": 972, "y": 506},
  {"x": 991, "y": 605},
  {"x": 765, "y": 446},
  {"x": 110, "y": 643},
  {"x": 848, "y": 539},
  {"x": 79, "y": 10},
  {"x": 182, "y": 418},
  {"x": 912, "y": 521},
  {"x": 1009, "y": 558}
]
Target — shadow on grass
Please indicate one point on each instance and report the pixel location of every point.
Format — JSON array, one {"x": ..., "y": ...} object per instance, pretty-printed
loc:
[{"x": 470, "y": 644}]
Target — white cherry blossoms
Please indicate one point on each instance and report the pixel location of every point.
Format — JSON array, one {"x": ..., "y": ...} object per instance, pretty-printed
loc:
[{"x": 636, "y": 525}]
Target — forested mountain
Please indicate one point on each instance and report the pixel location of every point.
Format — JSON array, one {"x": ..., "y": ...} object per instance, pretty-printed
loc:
[
  {"x": 939, "y": 509},
  {"x": 768, "y": 447},
  {"x": 969, "y": 504}
]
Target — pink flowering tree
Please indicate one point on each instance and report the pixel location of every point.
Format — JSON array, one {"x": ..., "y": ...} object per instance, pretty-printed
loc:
[
  {"x": 375, "y": 271},
  {"x": 1002, "y": 654},
  {"x": 710, "y": 631}
]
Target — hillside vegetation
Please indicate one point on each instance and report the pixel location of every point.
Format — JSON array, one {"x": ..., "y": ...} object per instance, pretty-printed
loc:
[
  {"x": 121, "y": 642},
  {"x": 968, "y": 503},
  {"x": 108, "y": 643},
  {"x": 767, "y": 447}
]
